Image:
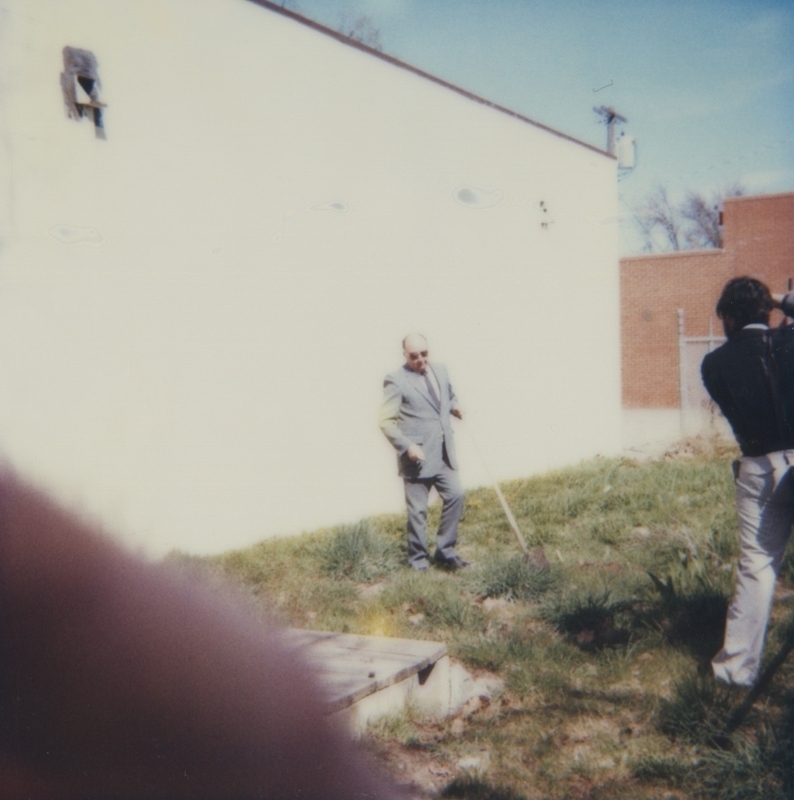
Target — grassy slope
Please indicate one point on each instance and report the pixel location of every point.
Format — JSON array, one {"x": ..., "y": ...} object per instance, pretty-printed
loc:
[{"x": 599, "y": 664}]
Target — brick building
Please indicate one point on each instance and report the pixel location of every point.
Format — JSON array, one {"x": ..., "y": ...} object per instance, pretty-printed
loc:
[{"x": 757, "y": 241}]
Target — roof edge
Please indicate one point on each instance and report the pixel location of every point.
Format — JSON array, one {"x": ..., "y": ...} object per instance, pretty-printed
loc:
[
  {"x": 422, "y": 74},
  {"x": 743, "y": 197},
  {"x": 703, "y": 251}
]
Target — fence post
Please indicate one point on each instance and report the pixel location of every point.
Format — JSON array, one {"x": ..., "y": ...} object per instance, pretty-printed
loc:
[{"x": 681, "y": 369}]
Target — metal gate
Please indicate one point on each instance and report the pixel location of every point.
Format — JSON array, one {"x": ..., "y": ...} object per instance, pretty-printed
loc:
[{"x": 699, "y": 414}]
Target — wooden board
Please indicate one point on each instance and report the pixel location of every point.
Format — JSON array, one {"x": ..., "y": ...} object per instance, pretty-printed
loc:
[{"x": 353, "y": 666}]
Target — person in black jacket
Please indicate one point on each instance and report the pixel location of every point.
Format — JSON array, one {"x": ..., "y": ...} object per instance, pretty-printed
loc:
[{"x": 751, "y": 378}]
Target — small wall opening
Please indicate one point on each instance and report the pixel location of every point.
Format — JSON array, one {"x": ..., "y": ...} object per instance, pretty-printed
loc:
[{"x": 81, "y": 86}]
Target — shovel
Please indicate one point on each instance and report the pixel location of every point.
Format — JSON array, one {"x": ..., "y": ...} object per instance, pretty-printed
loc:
[{"x": 535, "y": 556}]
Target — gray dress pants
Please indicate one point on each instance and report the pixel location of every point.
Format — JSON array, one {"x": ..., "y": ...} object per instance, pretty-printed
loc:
[{"x": 450, "y": 491}]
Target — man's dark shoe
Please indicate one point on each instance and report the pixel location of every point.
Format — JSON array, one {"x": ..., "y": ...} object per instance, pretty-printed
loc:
[{"x": 454, "y": 563}]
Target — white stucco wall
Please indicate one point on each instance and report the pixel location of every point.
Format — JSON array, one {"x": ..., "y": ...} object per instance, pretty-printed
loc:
[{"x": 193, "y": 337}]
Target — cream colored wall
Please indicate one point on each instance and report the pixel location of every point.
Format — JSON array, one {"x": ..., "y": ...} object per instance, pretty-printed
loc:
[{"x": 192, "y": 336}]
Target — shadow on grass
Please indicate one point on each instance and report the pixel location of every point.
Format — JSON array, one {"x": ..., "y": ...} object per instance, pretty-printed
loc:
[
  {"x": 754, "y": 761},
  {"x": 590, "y": 620},
  {"x": 746, "y": 768},
  {"x": 692, "y": 618},
  {"x": 699, "y": 710},
  {"x": 472, "y": 788}
]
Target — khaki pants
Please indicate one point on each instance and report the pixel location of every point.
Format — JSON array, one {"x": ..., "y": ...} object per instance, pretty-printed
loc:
[{"x": 765, "y": 505}]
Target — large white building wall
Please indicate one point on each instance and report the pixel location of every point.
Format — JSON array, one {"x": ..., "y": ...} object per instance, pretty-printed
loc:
[{"x": 197, "y": 313}]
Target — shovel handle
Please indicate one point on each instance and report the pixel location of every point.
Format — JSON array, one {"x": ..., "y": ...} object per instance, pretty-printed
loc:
[{"x": 506, "y": 508}]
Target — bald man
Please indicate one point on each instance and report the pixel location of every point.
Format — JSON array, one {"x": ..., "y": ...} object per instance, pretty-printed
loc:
[{"x": 415, "y": 416}]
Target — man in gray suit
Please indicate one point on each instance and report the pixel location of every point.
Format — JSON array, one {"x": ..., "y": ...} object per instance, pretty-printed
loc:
[{"x": 415, "y": 417}]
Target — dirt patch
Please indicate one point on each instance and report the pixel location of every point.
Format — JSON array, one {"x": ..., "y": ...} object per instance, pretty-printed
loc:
[
  {"x": 700, "y": 447},
  {"x": 419, "y": 769}
]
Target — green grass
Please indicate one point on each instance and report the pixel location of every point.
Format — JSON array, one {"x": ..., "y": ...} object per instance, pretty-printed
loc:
[
  {"x": 359, "y": 553},
  {"x": 598, "y": 654},
  {"x": 511, "y": 577}
]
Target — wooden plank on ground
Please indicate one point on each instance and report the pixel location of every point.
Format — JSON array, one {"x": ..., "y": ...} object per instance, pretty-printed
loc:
[{"x": 353, "y": 666}]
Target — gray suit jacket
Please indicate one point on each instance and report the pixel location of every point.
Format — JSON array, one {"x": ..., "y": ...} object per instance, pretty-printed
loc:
[{"x": 409, "y": 416}]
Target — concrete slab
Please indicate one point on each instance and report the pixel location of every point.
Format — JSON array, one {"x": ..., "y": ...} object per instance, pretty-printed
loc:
[{"x": 367, "y": 677}]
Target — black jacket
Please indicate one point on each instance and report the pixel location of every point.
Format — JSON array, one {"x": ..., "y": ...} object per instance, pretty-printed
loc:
[{"x": 751, "y": 379}]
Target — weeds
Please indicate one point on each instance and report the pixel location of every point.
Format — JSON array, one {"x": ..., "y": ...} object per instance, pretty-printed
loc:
[
  {"x": 667, "y": 770},
  {"x": 512, "y": 577},
  {"x": 597, "y": 660},
  {"x": 698, "y": 711},
  {"x": 495, "y": 653},
  {"x": 358, "y": 553},
  {"x": 437, "y": 598},
  {"x": 749, "y": 771},
  {"x": 574, "y": 613},
  {"x": 397, "y": 727}
]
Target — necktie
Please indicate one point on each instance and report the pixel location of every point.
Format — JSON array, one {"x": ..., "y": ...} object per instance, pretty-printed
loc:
[{"x": 433, "y": 395}]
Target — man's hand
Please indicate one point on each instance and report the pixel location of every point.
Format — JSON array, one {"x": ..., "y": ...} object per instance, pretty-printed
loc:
[
  {"x": 456, "y": 412},
  {"x": 415, "y": 453}
]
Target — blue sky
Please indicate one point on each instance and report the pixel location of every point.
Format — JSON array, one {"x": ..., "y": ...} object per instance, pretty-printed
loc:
[{"x": 707, "y": 86}]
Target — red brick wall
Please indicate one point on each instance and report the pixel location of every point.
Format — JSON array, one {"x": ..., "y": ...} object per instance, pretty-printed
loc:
[
  {"x": 758, "y": 234},
  {"x": 758, "y": 240}
]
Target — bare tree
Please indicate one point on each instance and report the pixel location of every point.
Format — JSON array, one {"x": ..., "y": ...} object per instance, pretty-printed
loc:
[
  {"x": 692, "y": 224},
  {"x": 361, "y": 28},
  {"x": 703, "y": 227},
  {"x": 658, "y": 214}
]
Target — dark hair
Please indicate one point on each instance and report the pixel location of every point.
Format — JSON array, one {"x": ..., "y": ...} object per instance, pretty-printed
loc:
[{"x": 745, "y": 300}]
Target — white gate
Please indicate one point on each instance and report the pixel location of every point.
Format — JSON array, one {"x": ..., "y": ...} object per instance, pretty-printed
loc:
[{"x": 698, "y": 412}]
